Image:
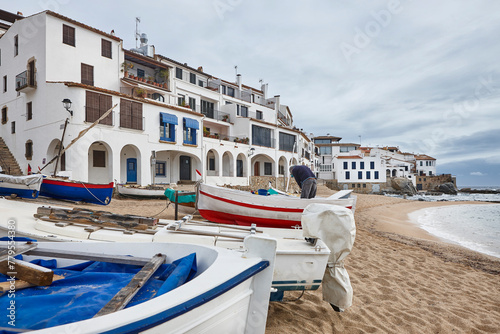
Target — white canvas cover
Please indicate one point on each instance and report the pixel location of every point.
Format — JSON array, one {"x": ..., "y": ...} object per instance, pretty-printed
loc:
[
  {"x": 335, "y": 226},
  {"x": 26, "y": 180}
]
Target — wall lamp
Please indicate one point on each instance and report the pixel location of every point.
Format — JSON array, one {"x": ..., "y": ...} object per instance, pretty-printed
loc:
[
  {"x": 67, "y": 104},
  {"x": 251, "y": 152}
]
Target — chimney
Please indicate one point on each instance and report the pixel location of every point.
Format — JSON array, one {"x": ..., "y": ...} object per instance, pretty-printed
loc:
[
  {"x": 238, "y": 81},
  {"x": 263, "y": 88},
  {"x": 277, "y": 101},
  {"x": 200, "y": 68}
]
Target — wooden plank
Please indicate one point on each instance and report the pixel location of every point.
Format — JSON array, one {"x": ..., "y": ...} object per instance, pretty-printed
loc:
[
  {"x": 87, "y": 256},
  {"x": 29, "y": 272},
  {"x": 6, "y": 253},
  {"x": 20, "y": 284},
  {"x": 91, "y": 228},
  {"x": 125, "y": 295}
]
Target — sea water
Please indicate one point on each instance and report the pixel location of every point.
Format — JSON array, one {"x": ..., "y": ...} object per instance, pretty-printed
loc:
[{"x": 474, "y": 226}]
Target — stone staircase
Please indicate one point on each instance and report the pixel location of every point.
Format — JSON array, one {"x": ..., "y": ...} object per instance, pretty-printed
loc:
[{"x": 7, "y": 161}]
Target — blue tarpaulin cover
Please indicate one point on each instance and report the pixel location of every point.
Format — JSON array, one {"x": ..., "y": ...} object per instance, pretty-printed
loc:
[
  {"x": 170, "y": 194},
  {"x": 85, "y": 289}
]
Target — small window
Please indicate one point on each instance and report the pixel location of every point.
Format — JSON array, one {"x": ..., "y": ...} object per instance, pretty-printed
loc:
[
  {"x": 178, "y": 73},
  {"x": 376, "y": 175},
  {"x": 364, "y": 185},
  {"x": 211, "y": 164},
  {"x": 230, "y": 91},
  {"x": 69, "y": 35},
  {"x": 29, "y": 111},
  {"x": 192, "y": 103},
  {"x": 28, "y": 150},
  {"x": 259, "y": 114},
  {"x": 368, "y": 175},
  {"x": 268, "y": 168},
  {"x": 345, "y": 164},
  {"x": 223, "y": 89},
  {"x": 200, "y": 83},
  {"x": 105, "y": 48},
  {"x": 99, "y": 158},
  {"x": 87, "y": 74},
  {"x": 4, "y": 83},
  {"x": 4, "y": 115},
  {"x": 161, "y": 168},
  {"x": 361, "y": 165},
  {"x": 13, "y": 127},
  {"x": 360, "y": 175},
  {"x": 192, "y": 78},
  {"x": 354, "y": 165},
  {"x": 347, "y": 175},
  {"x": 181, "y": 100},
  {"x": 16, "y": 45},
  {"x": 372, "y": 165},
  {"x": 140, "y": 73}
]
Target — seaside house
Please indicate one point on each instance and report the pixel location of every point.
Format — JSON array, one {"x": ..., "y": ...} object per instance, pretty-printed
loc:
[{"x": 169, "y": 119}]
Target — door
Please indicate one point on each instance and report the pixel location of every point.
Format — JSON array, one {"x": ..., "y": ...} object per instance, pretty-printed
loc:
[
  {"x": 185, "y": 167},
  {"x": 131, "y": 170},
  {"x": 239, "y": 168},
  {"x": 256, "y": 169}
]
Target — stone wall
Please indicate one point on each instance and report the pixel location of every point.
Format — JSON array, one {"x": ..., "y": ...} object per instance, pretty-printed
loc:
[{"x": 432, "y": 182}]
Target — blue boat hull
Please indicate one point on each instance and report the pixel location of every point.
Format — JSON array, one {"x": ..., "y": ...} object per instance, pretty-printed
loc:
[
  {"x": 77, "y": 191},
  {"x": 24, "y": 193}
]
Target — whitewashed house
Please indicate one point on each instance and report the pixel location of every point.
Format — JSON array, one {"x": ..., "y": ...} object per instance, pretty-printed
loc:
[{"x": 168, "y": 121}]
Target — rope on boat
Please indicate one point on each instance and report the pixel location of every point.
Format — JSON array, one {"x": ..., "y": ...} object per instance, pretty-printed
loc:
[
  {"x": 168, "y": 204},
  {"x": 104, "y": 203},
  {"x": 284, "y": 301}
]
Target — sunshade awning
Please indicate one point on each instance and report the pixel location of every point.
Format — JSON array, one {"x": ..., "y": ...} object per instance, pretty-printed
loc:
[
  {"x": 168, "y": 118},
  {"x": 191, "y": 123}
]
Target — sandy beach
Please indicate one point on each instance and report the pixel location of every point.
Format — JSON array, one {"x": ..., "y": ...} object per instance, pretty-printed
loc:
[{"x": 404, "y": 280}]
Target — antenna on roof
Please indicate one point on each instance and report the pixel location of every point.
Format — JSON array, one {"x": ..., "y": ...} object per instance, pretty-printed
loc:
[
  {"x": 236, "y": 69},
  {"x": 261, "y": 81},
  {"x": 137, "y": 35}
]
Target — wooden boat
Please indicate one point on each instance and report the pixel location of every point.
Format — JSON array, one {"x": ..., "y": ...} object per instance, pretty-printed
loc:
[
  {"x": 77, "y": 191},
  {"x": 140, "y": 192},
  {"x": 229, "y": 206},
  {"x": 21, "y": 186},
  {"x": 128, "y": 288}
]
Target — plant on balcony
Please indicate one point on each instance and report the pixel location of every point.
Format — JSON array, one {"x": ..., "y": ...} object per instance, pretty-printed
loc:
[
  {"x": 225, "y": 118},
  {"x": 164, "y": 75},
  {"x": 225, "y": 138},
  {"x": 150, "y": 79},
  {"x": 126, "y": 66},
  {"x": 139, "y": 92},
  {"x": 206, "y": 133},
  {"x": 245, "y": 140}
]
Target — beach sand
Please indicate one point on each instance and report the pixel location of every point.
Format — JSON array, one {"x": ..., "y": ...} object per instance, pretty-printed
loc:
[{"x": 404, "y": 280}]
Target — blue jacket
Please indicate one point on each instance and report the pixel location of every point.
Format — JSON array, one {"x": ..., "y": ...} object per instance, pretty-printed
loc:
[{"x": 301, "y": 173}]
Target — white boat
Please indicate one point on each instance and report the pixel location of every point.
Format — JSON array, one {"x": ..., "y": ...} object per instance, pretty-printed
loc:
[
  {"x": 229, "y": 206},
  {"x": 300, "y": 265},
  {"x": 21, "y": 186},
  {"x": 127, "y": 190},
  {"x": 228, "y": 294}
]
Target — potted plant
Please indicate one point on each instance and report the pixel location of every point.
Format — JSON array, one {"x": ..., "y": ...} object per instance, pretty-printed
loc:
[
  {"x": 140, "y": 92},
  {"x": 150, "y": 79},
  {"x": 206, "y": 133},
  {"x": 225, "y": 118},
  {"x": 164, "y": 75},
  {"x": 125, "y": 67}
]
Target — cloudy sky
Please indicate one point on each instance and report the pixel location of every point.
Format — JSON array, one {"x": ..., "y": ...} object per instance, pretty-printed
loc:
[{"x": 421, "y": 75}]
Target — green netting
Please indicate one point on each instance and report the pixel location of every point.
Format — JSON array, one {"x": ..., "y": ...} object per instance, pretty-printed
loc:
[{"x": 170, "y": 193}]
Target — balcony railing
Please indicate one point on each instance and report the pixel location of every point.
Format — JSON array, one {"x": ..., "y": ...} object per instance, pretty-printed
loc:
[
  {"x": 214, "y": 114},
  {"x": 234, "y": 139},
  {"x": 25, "y": 79}
]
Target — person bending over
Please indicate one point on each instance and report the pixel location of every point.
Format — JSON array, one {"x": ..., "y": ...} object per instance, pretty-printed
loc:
[{"x": 305, "y": 179}]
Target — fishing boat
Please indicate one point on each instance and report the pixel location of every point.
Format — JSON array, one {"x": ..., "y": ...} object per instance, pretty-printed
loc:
[
  {"x": 229, "y": 206},
  {"x": 77, "y": 191},
  {"x": 300, "y": 265},
  {"x": 132, "y": 288},
  {"x": 21, "y": 186},
  {"x": 135, "y": 191}
]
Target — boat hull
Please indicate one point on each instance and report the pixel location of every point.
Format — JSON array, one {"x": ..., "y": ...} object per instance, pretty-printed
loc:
[
  {"x": 77, "y": 191},
  {"x": 140, "y": 192},
  {"x": 21, "y": 186},
  {"x": 228, "y": 206}
]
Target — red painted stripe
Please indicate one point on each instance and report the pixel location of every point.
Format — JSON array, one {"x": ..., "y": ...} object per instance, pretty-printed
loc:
[
  {"x": 78, "y": 185},
  {"x": 253, "y": 206},
  {"x": 232, "y": 219}
]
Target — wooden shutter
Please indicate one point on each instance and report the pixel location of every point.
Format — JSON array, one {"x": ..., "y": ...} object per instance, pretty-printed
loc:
[
  {"x": 105, "y": 103},
  {"x": 105, "y": 48},
  {"x": 136, "y": 116},
  {"x": 91, "y": 106},
  {"x": 87, "y": 74},
  {"x": 125, "y": 113},
  {"x": 69, "y": 35}
]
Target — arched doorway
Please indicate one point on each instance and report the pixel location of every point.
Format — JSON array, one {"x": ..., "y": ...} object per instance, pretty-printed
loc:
[{"x": 100, "y": 164}]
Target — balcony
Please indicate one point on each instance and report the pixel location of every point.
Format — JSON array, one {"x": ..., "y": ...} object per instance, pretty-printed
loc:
[
  {"x": 219, "y": 136},
  {"x": 26, "y": 81},
  {"x": 215, "y": 114}
]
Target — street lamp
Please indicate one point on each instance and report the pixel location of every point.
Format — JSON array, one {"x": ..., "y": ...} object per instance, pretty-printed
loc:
[{"x": 67, "y": 104}]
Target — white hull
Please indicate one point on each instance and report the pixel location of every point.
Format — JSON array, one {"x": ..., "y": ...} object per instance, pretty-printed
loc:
[{"x": 140, "y": 192}]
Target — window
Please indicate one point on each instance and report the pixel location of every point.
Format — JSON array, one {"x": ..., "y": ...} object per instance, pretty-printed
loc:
[
  {"x": 421, "y": 163},
  {"x": 181, "y": 100},
  {"x": 376, "y": 175},
  {"x": 200, "y": 83},
  {"x": 207, "y": 108},
  {"x": 178, "y": 73},
  {"x": 161, "y": 168},
  {"x": 361, "y": 165},
  {"x": 286, "y": 142},
  {"x": 345, "y": 164},
  {"x": 325, "y": 150},
  {"x": 28, "y": 150},
  {"x": 96, "y": 105},
  {"x": 360, "y": 175},
  {"x": 211, "y": 163},
  {"x": 364, "y": 185},
  {"x": 167, "y": 127},
  {"x": 13, "y": 127},
  {"x": 244, "y": 111},
  {"x": 372, "y": 164},
  {"x": 261, "y": 136},
  {"x": 99, "y": 158},
  {"x": 140, "y": 73},
  {"x": 29, "y": 111},
  {"x": 16, "y": 45},
  {"x": 354, "y": 165},
  {"x": 368, "y": 175},
  {"x": 192, "y": 78},
  {"x": 87, "y": 74},
  {"x": 192, "y": 103},
  {"x": 190, "y": 126},
  {"x": 230, "y": 91},
  {"x": 4, "y": 83},
  {"x": 69, "y": 35},
  {"x": 239, "y": 168},
  {"x": 259, "y": 114},
  {"x": 347, "y": 175},
  {"x": 223, "y": 89},
  {"x": 268, "y": 168},
  {"x": 130, "y": 114},
  {"x": 4, "y": 115},
  {"x": 105, "y": 48}
]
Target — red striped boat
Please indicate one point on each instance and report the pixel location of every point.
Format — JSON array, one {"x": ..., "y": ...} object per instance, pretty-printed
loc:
[
  {"x": 229, "y": 206},
  {"x": 77, "y": 191}
]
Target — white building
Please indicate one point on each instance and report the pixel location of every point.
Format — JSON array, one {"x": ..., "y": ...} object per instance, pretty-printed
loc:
[
  {"x": 425, "y": 165},
  {"x": 168, "y": 121}
]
